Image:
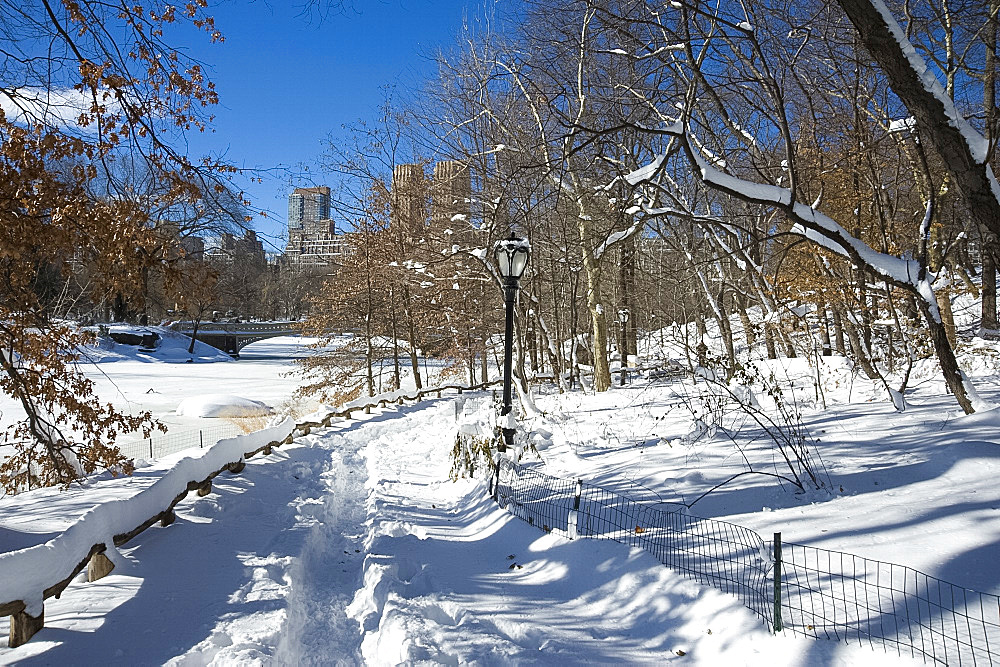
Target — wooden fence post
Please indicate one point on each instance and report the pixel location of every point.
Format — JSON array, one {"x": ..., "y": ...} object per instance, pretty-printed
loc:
[
  {"x": 99, "y": 567},
  {"x": 23, "y": 627}
]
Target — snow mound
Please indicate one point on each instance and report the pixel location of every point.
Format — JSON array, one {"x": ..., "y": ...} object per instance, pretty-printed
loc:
[{"x": 222, "y": 405}]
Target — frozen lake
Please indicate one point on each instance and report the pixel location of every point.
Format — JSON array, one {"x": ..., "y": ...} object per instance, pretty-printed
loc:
[{"x": 264, "y": 372}]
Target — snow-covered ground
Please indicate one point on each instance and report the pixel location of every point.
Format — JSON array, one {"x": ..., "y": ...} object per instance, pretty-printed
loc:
[{"x": 353, "y": 546}]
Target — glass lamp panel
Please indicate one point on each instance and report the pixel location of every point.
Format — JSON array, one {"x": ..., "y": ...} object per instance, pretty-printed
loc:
[
  {"x": 518, "y": 262},
  {"x": 503, "y": 261}
]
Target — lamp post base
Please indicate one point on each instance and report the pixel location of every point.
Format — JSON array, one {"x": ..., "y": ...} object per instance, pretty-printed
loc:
[{"x": 508, "y": 439}]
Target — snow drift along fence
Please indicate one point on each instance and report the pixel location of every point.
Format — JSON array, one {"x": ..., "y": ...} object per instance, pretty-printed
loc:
[
  {"x": 791, "y": 587},
  {"x": 34, "y": 574}
]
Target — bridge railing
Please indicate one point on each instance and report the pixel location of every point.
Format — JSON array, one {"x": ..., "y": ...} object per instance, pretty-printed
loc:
[{"x": 187, "y": 326}]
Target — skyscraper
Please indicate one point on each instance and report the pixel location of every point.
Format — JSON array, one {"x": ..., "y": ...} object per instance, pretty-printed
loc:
[
  {"x": 450, "y": 193},
  {"x": 307, "y": 205},
  {"x": 409, "y": 193},
  {"x": 312, "y": 235}
]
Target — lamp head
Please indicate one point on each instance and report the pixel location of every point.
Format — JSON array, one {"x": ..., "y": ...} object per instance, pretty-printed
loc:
[{"x": 512, "y": 257}]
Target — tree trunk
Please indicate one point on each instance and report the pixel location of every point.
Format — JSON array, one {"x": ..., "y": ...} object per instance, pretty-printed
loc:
[
  {"x": 531, "y": 339},
  {"x": 194, "y": 333},
  {"x": 726, "y": 329},
  {"x": 369, "y": 353},
  {"x": 395, "y": 340},
  {"x": 748, "y": 332},
  {"x": 484, "y": 367},
  {"x": 772, "y": 349},
  {"x": 838, "y": 332},
  {"x": 989, "y": 313},
  {"x": 827, "y": 351},
  {"x": 598, "y": 319},
  {"x": 626, "y": 278},
  {"x": 947, "y": 317},
  {"x": 411, "y": 331},
  {"x": 946, "y": 358},
  {"x": 859, "y": 352}
]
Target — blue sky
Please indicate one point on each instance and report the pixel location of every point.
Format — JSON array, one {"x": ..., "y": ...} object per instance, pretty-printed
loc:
[{"x": 286, "y": 81}]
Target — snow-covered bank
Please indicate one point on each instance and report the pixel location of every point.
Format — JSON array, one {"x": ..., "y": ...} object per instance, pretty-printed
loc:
[
  {"x": 450, "y": 578},
  {"x": 116, "y": 509},
  {"x": 352, "y": 545}
]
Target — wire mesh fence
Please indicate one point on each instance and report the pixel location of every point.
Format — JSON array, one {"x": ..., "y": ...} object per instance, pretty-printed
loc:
[
  {"x": 790, "y": 587},
  {"x": 175, "y": 441},
  {"x": 835, "y": 595}
]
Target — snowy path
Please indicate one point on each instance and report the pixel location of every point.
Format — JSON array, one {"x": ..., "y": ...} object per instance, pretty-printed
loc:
[
  {"x": 317, "y": 630},
  {"x": 233, "y": 579},
  {"x": 452, "y": 579}
]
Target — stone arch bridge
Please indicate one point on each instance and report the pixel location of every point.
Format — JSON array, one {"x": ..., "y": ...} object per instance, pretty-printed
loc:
[{"x": 231, "y": 337}]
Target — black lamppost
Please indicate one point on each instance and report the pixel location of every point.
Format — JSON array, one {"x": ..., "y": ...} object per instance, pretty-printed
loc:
[
  {"x": 623, "y": 320},
  {"x": 512, "y": 259}
]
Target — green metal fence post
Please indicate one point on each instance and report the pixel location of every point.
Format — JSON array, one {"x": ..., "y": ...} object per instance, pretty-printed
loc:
[
  {"x": 777, "y": 582},
  {"x": 496, "y": 480}
]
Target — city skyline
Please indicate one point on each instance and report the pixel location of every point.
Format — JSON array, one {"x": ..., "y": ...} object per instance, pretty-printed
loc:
[{"x": 320, "y": 73}]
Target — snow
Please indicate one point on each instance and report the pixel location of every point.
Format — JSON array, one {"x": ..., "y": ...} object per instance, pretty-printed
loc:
[
  {"x": 172, "y": 348},
  {"x": 353, "y": 545},
  {"x": 617, "y": 237},
  {"x": 902, "y": 124},
  {"x": 221, "y": 405},
  {"x": 28, "y": 571}
]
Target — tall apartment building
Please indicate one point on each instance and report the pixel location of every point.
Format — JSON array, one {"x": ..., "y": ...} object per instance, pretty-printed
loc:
[
  {"x": 247, "y": 251},
  {"x": 451, "y": 191},
  {"x": 312, "y": 235},
  {"x": 442, "y": 201},
  {"x": 308, "y": 205},
  {"x": 409, "y": 197},
  {"x": 447, "y": 195}
]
